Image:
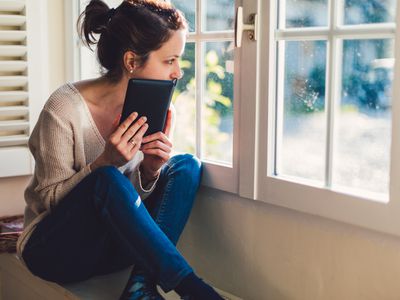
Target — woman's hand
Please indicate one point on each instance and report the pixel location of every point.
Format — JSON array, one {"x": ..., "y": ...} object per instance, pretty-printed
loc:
[
  {"x": 157, "y": 150},
  {"x": 123, "y": 143}
]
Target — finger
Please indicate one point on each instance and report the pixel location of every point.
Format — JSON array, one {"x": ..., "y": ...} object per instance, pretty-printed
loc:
[
  {"x": 156, "y": 145},
  {"x": 139, "y": 134},
  {"x": 157, "y": 136},
  {"x": 133, "y": 145},
  {"x": 168, "y": 122},
  {"x": 157, "y": 152},
  {"x": 138, "y": 137},
  {"x": 133, "y": 129},
  {"x": 125, "y": 125}
]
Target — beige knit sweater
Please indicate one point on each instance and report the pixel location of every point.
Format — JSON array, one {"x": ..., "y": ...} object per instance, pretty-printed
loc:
[{"x": 64, "y": 142}]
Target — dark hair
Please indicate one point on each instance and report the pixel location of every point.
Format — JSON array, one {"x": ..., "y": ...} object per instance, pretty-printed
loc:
[{"x": 140, "y": 26}]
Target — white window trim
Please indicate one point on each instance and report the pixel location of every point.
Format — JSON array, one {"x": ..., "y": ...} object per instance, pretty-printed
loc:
[
  {"x": 219, "y": 176},
  {"x": 248, "y": 106},
  {"x": 376, "y": 215},
  {"x": 72, "y": 62},
  {"x": 215, "y": 175}
]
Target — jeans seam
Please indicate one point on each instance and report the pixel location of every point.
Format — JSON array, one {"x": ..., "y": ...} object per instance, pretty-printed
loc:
[{"x": 163, "y": 203}]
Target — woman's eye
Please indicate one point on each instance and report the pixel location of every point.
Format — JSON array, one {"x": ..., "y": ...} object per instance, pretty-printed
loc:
[{"x": 171, "y": 61}]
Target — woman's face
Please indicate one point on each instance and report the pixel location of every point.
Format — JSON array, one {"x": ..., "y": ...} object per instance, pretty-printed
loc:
[{"x": 163, "y": 63}]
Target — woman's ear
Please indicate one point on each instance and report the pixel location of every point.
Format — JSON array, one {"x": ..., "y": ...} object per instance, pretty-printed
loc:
[{"x": 130, "y": 61}]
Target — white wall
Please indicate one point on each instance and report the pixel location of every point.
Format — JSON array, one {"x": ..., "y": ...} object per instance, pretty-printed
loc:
[
  {"x": 12, "y": 195},
  {"x": 255, "y": 250},
  {"x": 258, "y": 251}
]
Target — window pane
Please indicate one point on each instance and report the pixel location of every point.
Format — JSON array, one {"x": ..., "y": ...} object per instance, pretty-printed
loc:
[
  {"x": 369, "y": 11},
  {"x": 188, "y": 8},
  {"x": 302, "y": 130},
  {"x": 220, "y": 15},
  {"x": 217, "y": 107},
  {"x": 184, "y": 100},
  {"x": 305, "y": 13},
  {"x": 362, "y": 152}
]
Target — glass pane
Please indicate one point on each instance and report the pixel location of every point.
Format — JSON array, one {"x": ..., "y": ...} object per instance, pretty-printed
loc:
[
  {"x": 306, "y": 13},
  {"x": 302, "y": 130},
  {"x": 362, "y": 152},
  {"x": 369, "y": 11},
  {"x": 188, "y": 7},
  {"x": 217, "y": 109},
  {"x": 184, "y": 100},
  {"x": 220, "y": 15}
]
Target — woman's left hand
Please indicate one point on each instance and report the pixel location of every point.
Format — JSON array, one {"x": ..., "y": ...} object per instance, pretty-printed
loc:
[{"x": 157, "y": 149}]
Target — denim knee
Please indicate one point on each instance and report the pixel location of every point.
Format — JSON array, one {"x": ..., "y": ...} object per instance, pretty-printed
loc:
[
  {"x": 187, "y": 164},
  {"x": 106, "y": 171},
  {"x": 110, "y": 174},
  {"x": 109, "y": 178}
]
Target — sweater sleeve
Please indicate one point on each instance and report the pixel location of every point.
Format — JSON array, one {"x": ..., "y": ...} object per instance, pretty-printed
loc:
[{"x": 52, "y": 145}]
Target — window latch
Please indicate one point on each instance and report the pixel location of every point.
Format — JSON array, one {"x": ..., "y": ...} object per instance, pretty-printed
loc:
[{"x": 251, "y": 27}]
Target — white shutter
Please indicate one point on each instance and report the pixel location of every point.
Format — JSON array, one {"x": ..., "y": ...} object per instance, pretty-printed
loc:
[{"x": 14, "y": 95}]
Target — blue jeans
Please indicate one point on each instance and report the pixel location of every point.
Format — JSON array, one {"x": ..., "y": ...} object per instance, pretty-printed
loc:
[{"x": 102, "y": 226}]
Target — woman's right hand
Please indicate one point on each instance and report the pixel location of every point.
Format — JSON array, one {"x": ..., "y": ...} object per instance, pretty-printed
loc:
[{"x": 123, "y": 143}]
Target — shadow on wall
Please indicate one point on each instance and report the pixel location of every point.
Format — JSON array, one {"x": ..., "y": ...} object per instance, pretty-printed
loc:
[{"x": 219, "y": 245}]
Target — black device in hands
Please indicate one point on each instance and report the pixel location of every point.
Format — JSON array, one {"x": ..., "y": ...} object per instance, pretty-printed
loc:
[{"x": 150, "y": 98}]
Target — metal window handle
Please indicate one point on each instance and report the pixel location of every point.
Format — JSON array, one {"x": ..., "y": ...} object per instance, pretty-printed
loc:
[{"x": 240, "y": 27}]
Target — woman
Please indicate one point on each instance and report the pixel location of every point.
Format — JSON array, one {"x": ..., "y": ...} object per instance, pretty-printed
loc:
[{"x": 85, "y": 214}]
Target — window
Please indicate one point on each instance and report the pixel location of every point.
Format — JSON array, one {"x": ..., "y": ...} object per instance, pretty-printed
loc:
[
  {"x": 21, "y": 27},
  {"x": 326, "y": 145},
  {"x": 204, "y": 97}
]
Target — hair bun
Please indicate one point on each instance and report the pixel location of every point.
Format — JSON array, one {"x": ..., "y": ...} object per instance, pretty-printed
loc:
[{"x": 110, "y": 14}]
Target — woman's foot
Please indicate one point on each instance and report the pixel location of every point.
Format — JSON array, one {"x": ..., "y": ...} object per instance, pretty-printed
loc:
[
  {"x": 194, "y": 288},
  {"x": 140, "y": 287}
]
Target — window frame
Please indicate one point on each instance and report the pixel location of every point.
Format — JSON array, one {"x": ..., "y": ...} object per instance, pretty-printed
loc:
[{"x": 317, "y": 200}]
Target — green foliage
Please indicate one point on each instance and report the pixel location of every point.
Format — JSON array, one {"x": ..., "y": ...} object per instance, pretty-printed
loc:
[{"x": 218, "y": 99}]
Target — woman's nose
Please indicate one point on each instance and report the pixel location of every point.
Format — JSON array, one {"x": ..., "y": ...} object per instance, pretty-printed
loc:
[{"x": 178, "y": 74}]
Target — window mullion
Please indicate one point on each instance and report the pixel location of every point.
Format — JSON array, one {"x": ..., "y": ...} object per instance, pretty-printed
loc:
[
  {"x": 216, "y": 36},
  {"x": 394, "y": 190},
  {"x": 279, "y": 109},
  {"x": 199, "y": 16},
  {"x": 331, "y": 86},
  {"x": 343, "y": 32},
  {"x": 199, "y": 72}
]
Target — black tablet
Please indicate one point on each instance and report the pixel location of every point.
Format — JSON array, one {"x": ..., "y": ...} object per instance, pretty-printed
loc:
[{"x": 150, "y": 98}]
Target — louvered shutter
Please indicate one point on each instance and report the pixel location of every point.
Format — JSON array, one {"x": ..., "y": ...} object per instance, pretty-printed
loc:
[{"x": 14, "y": 95}]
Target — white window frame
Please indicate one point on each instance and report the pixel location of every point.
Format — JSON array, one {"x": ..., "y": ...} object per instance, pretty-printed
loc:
[
  {"x": 215, "y": 175},
  {"x": 17, "y": 160},
  {"x": 376, "y": 213}
]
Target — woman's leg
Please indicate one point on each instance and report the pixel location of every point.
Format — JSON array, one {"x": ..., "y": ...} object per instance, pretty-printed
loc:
[
  {"x": 170, "y": 205},
  {"x": 68, "y": 243},
  {"x": 171, "y": 202}
]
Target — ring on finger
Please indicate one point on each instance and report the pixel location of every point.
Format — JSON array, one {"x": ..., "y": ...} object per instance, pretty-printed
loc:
[{"x": 133, "y": 142}]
